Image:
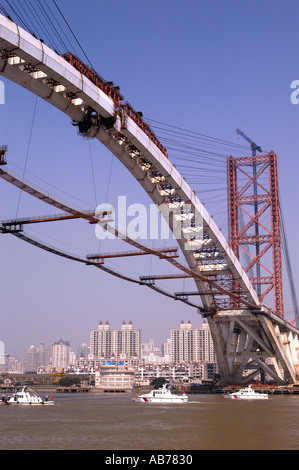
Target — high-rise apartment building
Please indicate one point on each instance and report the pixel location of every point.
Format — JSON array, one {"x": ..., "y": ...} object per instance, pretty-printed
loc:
[
  {"x": 166, "y": 348},
  {"x": 61, "y": 354},
  {"x": 2, "y": 353},
  {"x": 192, "y": 344},
  {"x": 35, "y": 357},
  {"x": 106, "y": 343}
]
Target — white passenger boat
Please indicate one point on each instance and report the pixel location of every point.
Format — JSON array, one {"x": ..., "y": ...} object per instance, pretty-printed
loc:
[
  {"x": 161, "y": 395},
  {"x": 247, "y": 394},
  {"x": 28, "y": 397}
]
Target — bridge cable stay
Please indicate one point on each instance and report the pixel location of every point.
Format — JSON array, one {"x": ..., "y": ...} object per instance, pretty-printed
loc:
[
  {"x": 176, "y": 137},
  {"x": 93, "y": 174},
  {"x": 32, "y": 18},
  {"x": 15, "y": 12},
  {"x": 289, "y": 268},
  {"x": 41, "y": 23},
  {"x": 4, "y": 11},
  {"x": 17, "y": 15},
  {"x": 63, "y": 44},
  {"x": 197, "y": 135},
  {"x": 27, "y": 152},
  {"x": 107, "y": 192},
  {"x": 51, "y": 23},
  {"x": 74, "y": 36},
  {"x": 202, "y": 160}
]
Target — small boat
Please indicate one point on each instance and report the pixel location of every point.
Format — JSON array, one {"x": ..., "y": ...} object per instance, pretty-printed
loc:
[
  {"x": 27, "y": 397},
  {"x": 161, "y": 395},
  {"x": 247, "y": 394}
]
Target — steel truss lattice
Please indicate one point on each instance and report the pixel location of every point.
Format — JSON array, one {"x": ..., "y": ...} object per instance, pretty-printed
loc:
[{"x": 256, "y": 231}]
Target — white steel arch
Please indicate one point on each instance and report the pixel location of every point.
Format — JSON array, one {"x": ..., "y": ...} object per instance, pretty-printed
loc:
[
  {"x": 35, "y": 66},
  {"x": 243, "y": 337}
]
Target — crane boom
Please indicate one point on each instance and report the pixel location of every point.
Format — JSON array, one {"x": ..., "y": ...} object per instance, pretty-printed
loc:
[
  {"x": 254, "y": 148},
  {"x": 253, "y": 145}
]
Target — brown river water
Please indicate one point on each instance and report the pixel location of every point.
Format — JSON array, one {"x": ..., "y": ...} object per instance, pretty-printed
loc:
[{"x": 113, "y": 422}]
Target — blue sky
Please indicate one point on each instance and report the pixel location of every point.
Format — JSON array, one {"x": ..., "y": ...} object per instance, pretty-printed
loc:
[{"x": 209, "y": 67}]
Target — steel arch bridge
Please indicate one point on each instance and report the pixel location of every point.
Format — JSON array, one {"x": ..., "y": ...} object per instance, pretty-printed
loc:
[{"x": 248, "y": 339}]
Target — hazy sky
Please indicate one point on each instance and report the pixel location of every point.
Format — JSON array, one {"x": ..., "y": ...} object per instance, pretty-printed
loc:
[{"x": 210, "y": 67}]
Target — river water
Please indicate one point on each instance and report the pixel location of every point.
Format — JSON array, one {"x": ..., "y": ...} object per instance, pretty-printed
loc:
[{"x": 94, "y": 421}]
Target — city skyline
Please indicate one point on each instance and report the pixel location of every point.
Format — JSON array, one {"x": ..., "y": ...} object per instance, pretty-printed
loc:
[
  {"x": 207, "y": 68},
  {"x": 74, "y": 348}
]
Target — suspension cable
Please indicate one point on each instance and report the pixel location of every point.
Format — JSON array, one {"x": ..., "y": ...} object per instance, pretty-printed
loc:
[{"x": 288, "y": 265}]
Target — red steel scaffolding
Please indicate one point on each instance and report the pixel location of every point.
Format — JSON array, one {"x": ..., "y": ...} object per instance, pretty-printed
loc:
[{"x": 250, "y": 198}]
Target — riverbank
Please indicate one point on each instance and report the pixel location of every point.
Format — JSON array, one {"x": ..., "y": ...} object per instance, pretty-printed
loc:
[{"x": 189, "y": 390}]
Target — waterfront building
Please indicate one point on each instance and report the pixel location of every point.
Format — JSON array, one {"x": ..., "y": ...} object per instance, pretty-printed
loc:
[
  {"x": 11, "y": 365},
  {"x": 184, "y": 373},
  {"x": 31, "y": 359},
  {"x": 114, "y": 376},
  {"x": 72, "y": 358},
  {"x": 203, "y": 371},
  {"x": 150, "y": 348},
  {"x": 192, "y": 344},
  {"x": 151, "y": 354},
  {"x": 2, "y": 353},
  {"x": 82, "y": 350},
  {"x": 115, "y": 344},
  {"x": 153, "y": 359},
  {"x": 166, "y": 349},
  {"x": 146, "y": 373},
  {"x": 60, "y": 354},
  {"x": 206, "y": 346},
  {"x": 36, "y": 357}
]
